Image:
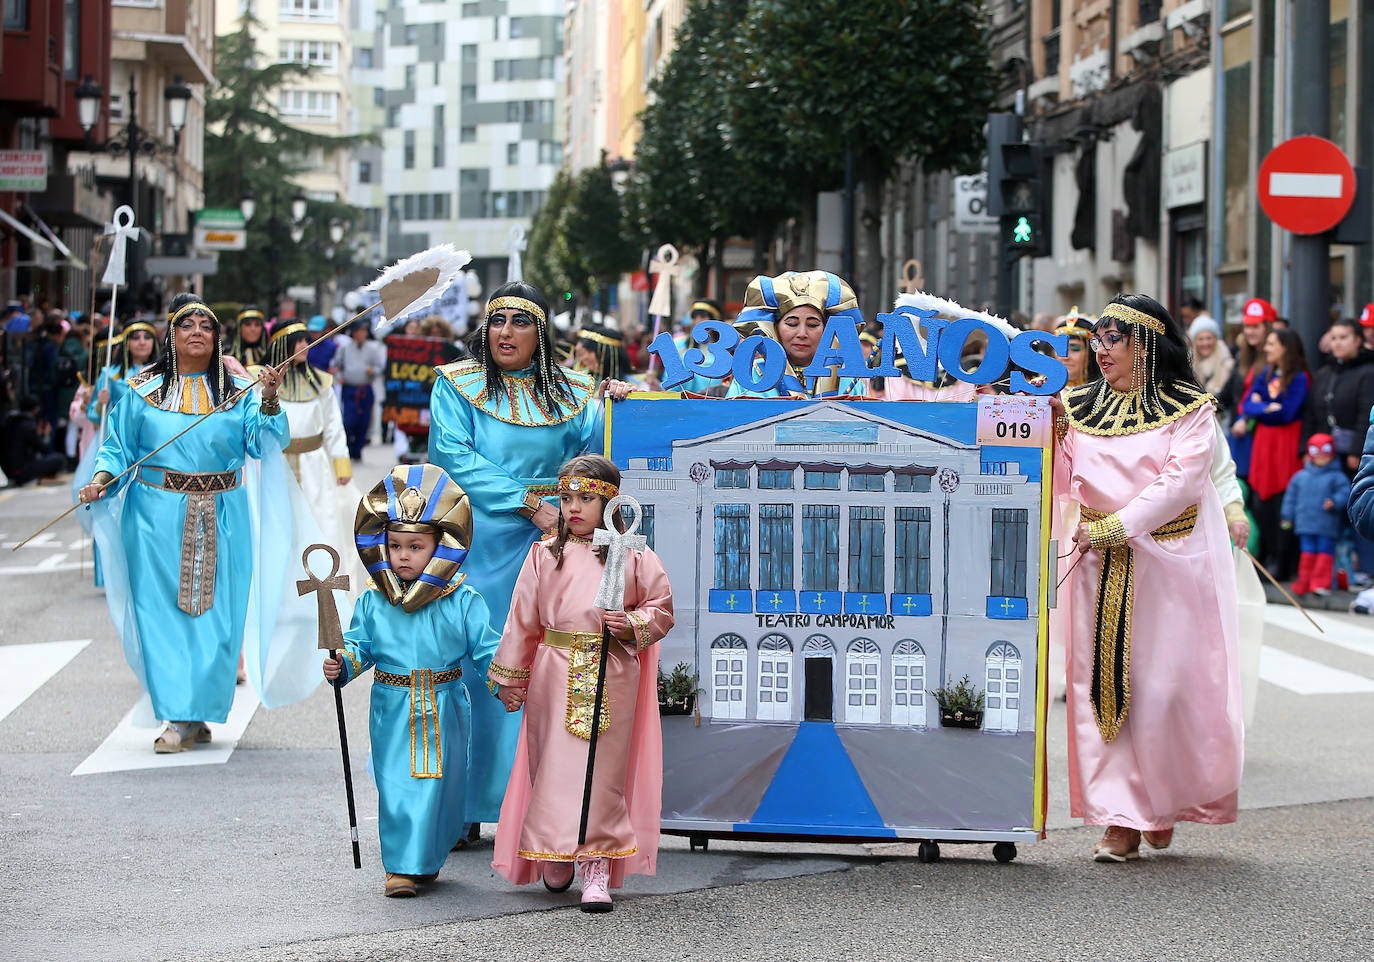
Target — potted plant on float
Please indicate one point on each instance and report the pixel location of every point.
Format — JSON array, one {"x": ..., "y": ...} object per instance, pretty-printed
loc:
[
  {"x": 677, "y": 691},
  {"x": 961, "y": 705}
]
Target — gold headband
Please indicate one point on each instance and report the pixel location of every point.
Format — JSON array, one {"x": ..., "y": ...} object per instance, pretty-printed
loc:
[
  {"x": 868, "y": 338},
  {"x": 286, "y": 331},
  {"x": 1129, "y": 315},
  {"x": 140, "y": 326},
  {"x": 701, "y": 307},
  {"x": 246, "y": 315},
  {"x": 599, "y": 338},
  {"x": 195, "y": 307},
  {"x": 575, "y": 483},
  {"x": 519, "y": 303}
]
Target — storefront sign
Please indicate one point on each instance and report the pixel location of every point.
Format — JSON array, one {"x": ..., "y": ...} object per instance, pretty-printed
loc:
[
  {"x": 23, "y": 170},
  {"x": 1185, "y": 176},
  {"x": 220, "y": 229}
]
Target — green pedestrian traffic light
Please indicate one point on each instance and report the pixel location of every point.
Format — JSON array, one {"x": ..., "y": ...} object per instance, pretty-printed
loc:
[{"x": 1021, "y": 233}]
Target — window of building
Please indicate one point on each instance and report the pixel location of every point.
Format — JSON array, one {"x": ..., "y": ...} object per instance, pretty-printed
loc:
[
  {"x": 865, "y": 548},
  {"x": 469, "y": 53},
  {"x": 469, "y": 93},
  {"x": 822, "y": 480},
  {"x": 467, "y": 135},
  {"x": 379, "y": 96},
  {"x": 500, "y": 70},
  {"x": 646, "y": 524},
  {"x": 438, "y": 158},
  {"x": 732, "y": 477},
  {"x": 311, "y": 105},
  {"x": 393, "y": 116},
  {"x": 409, "y": 207},
  {"x": 410, "y": 76},
  {"x": 412, "y": 34},
  {"x": 512, "y": 111},
  {"x": 498, "y": 204},
  {"x": 545, "y": 68},
  {"x": 732, "y": 546},
  {"x": 364, "y": 171},
  {"x": 364, "y": 55},
  {"x": 821, "y": 547},
  {"x": 775, "y": 547},
  {"x": 911, "y": 483},
  {"x": 512, "y": 155},
  {"x": 16, "y": 15},
  {"x": 320, "y": 54},
  {"x": 867, "y": 481},
  {"x": 911, "y": 555},
  {"x": 71, "y": 50},
  {"x": 469, "y": 178},
  {"x": 372, "y": 220},
  {"x": 546, "y": 111},
  {"x": 321, "y": 11},
  {"x": 437, "y": 34},
  {"x": 517, "y": 27},
  {"x": 472, "y": 9},
  {"x": 423, "y": 207},
  {"x": 776, "y": 479},
  {"x": 393, "y": 207},
  {"x": 550, "y": 152},
  {"x": 1008, "y": 553}
]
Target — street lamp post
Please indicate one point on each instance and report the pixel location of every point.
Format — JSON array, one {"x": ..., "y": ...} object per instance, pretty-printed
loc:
[{"x": 248, "y": 206}]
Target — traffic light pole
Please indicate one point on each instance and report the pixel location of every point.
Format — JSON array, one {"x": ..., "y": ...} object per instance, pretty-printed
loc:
[
  {"x": 1310, "y": 300},
  {"x": 1008, "y": 293}
]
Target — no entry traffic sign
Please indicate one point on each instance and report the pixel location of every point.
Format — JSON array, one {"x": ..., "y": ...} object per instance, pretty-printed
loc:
[{"x": 1306, "y": 185}]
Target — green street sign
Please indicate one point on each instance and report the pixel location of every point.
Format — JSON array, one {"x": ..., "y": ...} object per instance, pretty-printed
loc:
[{"x": 221, "y": 217}]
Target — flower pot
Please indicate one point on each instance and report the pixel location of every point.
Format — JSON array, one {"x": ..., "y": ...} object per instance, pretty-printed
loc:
[
  {"x": 961, "y": 719},
  {"x": 681, "y": 706}
]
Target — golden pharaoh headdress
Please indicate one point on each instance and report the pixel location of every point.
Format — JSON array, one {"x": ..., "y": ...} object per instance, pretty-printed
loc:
[
  {"x": 415, "y": 498},
  {"x": 1076, "y": 324}
]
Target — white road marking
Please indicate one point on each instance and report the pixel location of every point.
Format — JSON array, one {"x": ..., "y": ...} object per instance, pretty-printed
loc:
[
  {"x": 1309, "y": 677},
  {"x": 1293, "y": 184},
  {"x": 47, "y": 539},
  {"x": 1340, "y": 633},
  {"x": 128, "y": 748},
  {"x": 26, "y": 668},
  {"x": 51, "y": 562},
  {"x": 40, "y": 569}
]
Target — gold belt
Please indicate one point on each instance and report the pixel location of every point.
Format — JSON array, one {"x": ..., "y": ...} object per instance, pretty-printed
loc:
[
  {"x": 199, "y": 530},
  {"x": 301, "y": 445},
  {"x": 424, "y": 709},
  {"x": 584, "y": 663},
  {"x": 1111, "y": 678}
]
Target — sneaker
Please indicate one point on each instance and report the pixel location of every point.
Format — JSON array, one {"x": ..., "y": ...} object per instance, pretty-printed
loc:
[
  {"x": 596, "y": 880},
  {"x": 1160, "y": 839},
  {"x": 1361, "y": 579},
  {"x": 399, "y": 886},
  {"x": 558, "y": 876},
  {"x": 1119, "y": 844}
]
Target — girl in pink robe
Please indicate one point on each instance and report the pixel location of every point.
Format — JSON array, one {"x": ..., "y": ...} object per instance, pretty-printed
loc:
[
  {"x": 1154, "y": 698},
  {"x": 548, "y": 662}
]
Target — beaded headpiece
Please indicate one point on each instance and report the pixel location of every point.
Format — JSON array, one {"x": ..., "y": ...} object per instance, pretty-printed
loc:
[
  {"x": 415, "y": 498},
  {"x": 171, "y": 380},
  {"x": 517, "y": 303},
  {"x": 1148, "y": 330},
  {"x": 577, "y": 484}
]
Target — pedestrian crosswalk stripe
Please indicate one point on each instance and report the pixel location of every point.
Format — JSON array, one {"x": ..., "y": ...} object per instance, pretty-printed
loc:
[
  {"x": 1337, "y": 631},
  {"x": 1309, "y": 677},
  {"x": 26, "y": 668},
  {"x": 128, "y": 748}
]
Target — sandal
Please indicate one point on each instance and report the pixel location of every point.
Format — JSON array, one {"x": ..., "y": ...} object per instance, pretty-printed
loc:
[
  {"x": 176, "y": 737},
  {"x": 201, "y": 732}
]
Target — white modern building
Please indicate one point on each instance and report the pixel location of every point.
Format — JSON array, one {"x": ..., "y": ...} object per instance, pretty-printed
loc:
[
  {"x": 464, "y": 98},
  {"x": 832, "y": 564}
]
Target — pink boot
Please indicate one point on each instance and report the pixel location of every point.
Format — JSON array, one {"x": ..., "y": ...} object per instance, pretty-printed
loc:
[
  {"x": 558, "y": 876},
  {"x": 596, "y": 880}
]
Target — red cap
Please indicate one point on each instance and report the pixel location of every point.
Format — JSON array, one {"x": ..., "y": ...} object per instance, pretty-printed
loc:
[
  {"x": 1367, "y": 315},
  {"x": 1259, "y": 311},
  {"x": 1320, "y": 444}
]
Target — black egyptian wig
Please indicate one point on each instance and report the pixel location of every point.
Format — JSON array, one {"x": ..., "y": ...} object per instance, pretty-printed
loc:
[
  {"x": 126, "y": 359},
  {"x": 612, "y": 361},
  {"x": 1163, "y": 355},
  {"x": 550, "y": 380},
  {"x": 216, "y": 377},
  {"x": 297, "y": 375}
]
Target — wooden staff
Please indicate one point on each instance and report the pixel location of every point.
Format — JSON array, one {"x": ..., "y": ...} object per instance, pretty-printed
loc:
[
  {"x": 222, "y": 406},
  {"x": 1275, "y": 581}
]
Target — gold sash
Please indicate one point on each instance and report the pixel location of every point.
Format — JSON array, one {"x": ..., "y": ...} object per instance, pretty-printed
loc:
[
  {"x": 1111, "y": 679},
  {"x": 584, "y": 649},
  {"x": 425, "y": 709}
]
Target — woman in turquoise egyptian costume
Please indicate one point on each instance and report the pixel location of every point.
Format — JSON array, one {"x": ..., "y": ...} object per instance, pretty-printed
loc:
[
  {"x": 501, "y": 424},
  {"x": 417, "y": 629},
  {"x": 192, "y": 550},
  {"x": 792, "y": 309},
  {"x": 135, "y": 349}
]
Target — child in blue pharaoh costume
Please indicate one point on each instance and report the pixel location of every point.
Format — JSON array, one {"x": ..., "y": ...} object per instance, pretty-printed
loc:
[
  {"x": 416, "y": 626},
  {"x": 501, "y": 424},
  {"x": 197, "y": 540},
  {"x": 135, "y": 349},
  {"x": 792, "y": 309}
]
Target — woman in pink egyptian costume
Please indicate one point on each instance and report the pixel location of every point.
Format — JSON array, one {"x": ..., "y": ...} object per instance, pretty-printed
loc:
[{"x": 1154, "y": 695}]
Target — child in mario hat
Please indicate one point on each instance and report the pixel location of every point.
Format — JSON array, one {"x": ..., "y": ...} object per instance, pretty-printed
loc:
[{"x": 1314, "y": 506}]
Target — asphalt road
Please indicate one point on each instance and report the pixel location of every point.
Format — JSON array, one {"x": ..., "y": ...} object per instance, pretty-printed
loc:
[{"x": 248, "y": 859}]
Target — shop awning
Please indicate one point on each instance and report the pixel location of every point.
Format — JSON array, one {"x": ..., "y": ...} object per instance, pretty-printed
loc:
[
  {"x": 43, "y": 252},
  {"x": 72, "y": 260}
]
